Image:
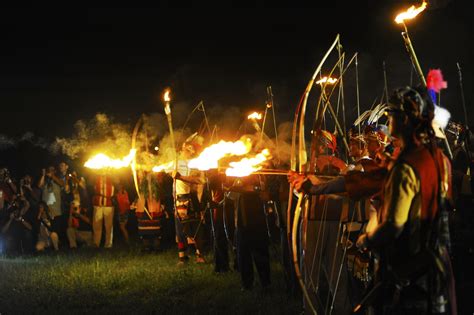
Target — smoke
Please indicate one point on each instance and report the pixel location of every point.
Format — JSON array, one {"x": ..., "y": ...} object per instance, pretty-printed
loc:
[
  {"x": 226, "y": 119},
  {"x": 28, "y": 137},
  {"x": 100, "y": 134},
  {"x": 6, "y": 142},
  {"x": 167, "y": 151}
]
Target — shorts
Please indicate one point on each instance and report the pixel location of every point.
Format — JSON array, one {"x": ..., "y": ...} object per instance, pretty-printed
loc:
[{"x": 123, "y": 217}]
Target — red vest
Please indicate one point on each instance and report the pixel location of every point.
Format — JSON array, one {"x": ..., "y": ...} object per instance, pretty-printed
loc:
[
  {"x": 104, "y": 190},
  {"x": 428, "y": 168}
]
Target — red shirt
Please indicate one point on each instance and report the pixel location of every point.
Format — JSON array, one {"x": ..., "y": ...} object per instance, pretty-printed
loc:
[{"x": 123, "y": 201}]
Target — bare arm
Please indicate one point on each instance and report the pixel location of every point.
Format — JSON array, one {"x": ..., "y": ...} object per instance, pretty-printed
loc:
[
  {"x": 41, "y": 181},
  {"x": 58, "y": 181},
  {"x": 26, "y": 224},
  {"x": 194, "y": 178}
]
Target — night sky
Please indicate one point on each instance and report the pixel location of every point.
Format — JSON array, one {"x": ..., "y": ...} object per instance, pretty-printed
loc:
[{"x": 59, "y": 65}]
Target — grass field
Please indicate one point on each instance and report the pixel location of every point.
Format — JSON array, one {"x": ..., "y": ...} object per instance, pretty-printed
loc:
[{"x": 126, "y": 281}]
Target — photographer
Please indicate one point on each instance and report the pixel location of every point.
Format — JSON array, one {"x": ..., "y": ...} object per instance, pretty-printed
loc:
[
  {"x": 44, "y": 228},
  {"x": 31, "y": 193},
  {"x": 7, "y": 187},
  {"x": 79, "y": 225},
  {"x": 51, "y": 186},
  {"x": 17, "y": 228}
]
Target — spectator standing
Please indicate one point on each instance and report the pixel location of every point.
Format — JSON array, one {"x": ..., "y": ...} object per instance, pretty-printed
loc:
[
  {"x": 103, "y": 213},
  {"x": 51, "y": 186}
]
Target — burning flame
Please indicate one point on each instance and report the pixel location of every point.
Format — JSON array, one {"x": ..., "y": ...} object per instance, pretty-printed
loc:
[
  {"x": 166, "y": 96},
  {"x": 410, "y": 13},
  {"x": 163, "y": 167},
  {"x": 329, "y": 80},
  {"x": 101, "y": 161},
  {"x": 255, "y": 115},
  {"x": 247, "y": 166},
  {"x": 211, "y": 155}
]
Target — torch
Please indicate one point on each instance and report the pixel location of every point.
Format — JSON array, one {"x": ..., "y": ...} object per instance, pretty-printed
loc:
[
  {"x": 167, "y": 100},
  {"x": 253, "y": 118},
  {"x": 400, "y": 19},
  {"x": 330, "y": 81}
]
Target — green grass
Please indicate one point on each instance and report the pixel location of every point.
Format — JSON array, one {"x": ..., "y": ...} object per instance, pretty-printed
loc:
[{"x": 123, "y": 281}]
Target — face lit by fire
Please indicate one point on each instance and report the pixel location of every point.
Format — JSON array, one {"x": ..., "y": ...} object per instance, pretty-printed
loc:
[
  {"x": 63, "y": 167},
  {"x": 395, "y": 123},
  {"x": 357, "y": 148},
  {"x": 188, "y": 150}
]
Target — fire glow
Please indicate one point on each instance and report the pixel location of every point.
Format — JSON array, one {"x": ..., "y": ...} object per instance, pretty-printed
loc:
[
  {"x": 101, "y": 161},
  {"x": 166, "y": 96},
  {"x": 247, "y": 166},
  {"x": 211, "y": 155},
  {"x": 410, "y": 13},
  {"x": 163, "y": 167},
  {"x": 327, "y": 80},
  {"x": 255, "y": 115}
]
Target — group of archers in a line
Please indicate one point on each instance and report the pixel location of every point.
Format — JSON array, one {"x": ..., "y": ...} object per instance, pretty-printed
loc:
[
  {"x": 404, "y": 178},
  {"x": 402, "y": 174}
]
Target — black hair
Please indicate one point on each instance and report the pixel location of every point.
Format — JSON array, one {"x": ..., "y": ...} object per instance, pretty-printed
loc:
[{"x": 416, "y": 103}]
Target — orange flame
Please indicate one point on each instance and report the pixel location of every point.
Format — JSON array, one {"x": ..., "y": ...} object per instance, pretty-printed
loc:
[
  {"x": 247, "y": 166},
  {"x": 255, "y": 115},
  {"x": 211, "y": 155},
  {"x": 327, "y": 80},
  {"x": 163, "y": 167},
  {"x": 410, "y": 13},
  {"x": 101, "y": 161},
  {"x": 166, "y": 96}
]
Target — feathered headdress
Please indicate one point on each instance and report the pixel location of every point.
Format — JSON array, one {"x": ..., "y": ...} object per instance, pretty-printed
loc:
[{"x": 435, "y": 83}]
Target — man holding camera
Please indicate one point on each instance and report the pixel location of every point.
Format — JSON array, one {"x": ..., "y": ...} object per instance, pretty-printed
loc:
[
  {"x": 79, "y": 225},
  {"x": 7, "y": 187},
  {"x": 17, "y": 226},
  {"x": 51, "y": 186}
]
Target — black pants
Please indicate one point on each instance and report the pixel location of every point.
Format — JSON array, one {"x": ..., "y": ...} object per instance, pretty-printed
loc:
[
  {"x": 251, "y": 249},
  {"x": 19, "y": 241},
  {"x": 221, "y": 251}
]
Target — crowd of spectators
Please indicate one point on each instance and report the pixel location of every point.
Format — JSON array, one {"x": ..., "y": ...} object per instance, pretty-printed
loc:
[{"x": 59, "y": 211}]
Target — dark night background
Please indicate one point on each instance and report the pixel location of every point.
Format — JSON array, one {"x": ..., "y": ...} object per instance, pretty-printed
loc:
[{"x": 59, "y": 65}]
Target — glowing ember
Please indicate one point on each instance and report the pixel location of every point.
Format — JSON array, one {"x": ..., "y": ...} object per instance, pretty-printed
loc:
[
  {"x": 211, "y": 155},
  {"x": 327, "y": 80},
  {"x": 255, "y": 115},
  {"x": 247, "y": 166},
  {"x": 101, "y": 161},
  {"x": 163, "y": 167},
  {"x": 410, "y": 13},
  {"x": 166, "y": 96}
]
